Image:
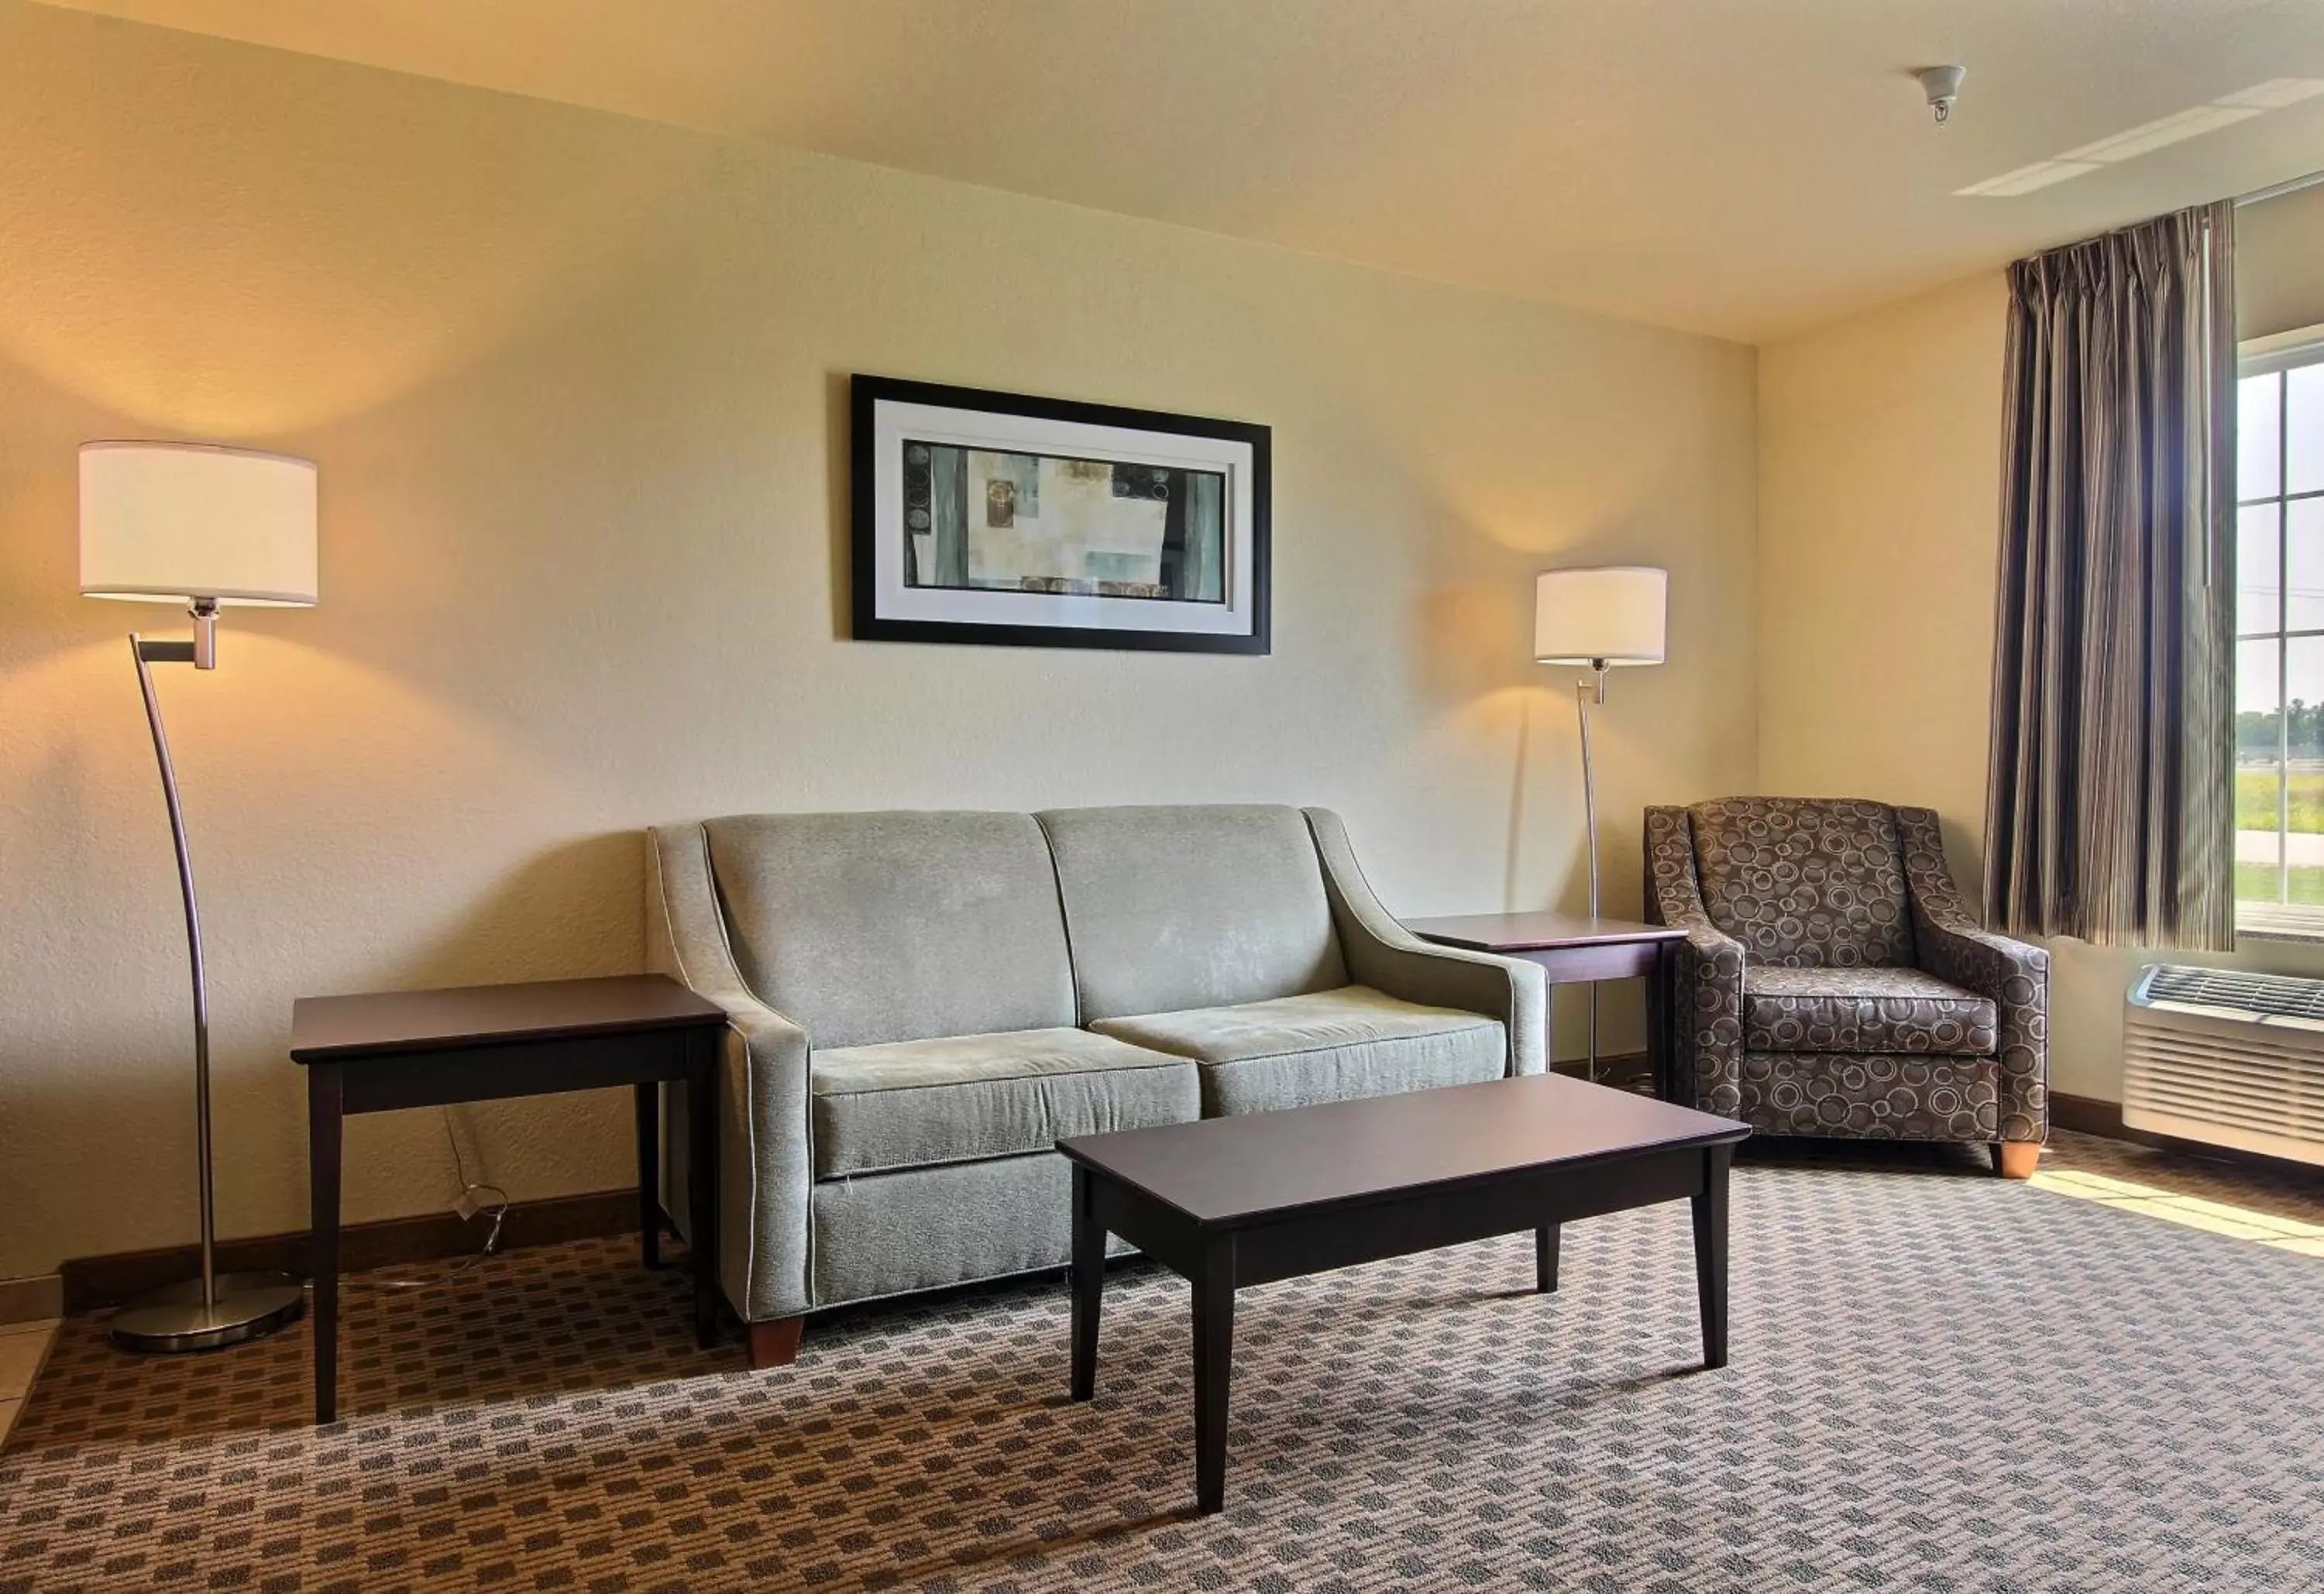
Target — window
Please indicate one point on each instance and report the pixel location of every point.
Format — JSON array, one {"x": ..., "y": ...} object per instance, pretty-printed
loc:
[{"x": 2280, "y": 637}]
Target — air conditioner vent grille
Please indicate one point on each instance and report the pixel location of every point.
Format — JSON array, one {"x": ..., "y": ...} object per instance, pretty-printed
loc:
[{"x": 2263, "y": 995}]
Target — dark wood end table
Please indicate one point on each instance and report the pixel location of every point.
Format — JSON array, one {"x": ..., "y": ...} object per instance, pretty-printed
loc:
[
  {"x": 431, "y": 1048},
  {"x": 1227, "y": 1202},
  {"x": 1572, "y": 948}
]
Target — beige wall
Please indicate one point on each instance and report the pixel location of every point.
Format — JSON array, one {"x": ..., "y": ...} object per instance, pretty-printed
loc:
[
  {"x": 2280, "y": 264},
  {"x": 1880, "y": 473},
  {"x": 575, "y": 385},
  {"x": 1879, "y": 492}
]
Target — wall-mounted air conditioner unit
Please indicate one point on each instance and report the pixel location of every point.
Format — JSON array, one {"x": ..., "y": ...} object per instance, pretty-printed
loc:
[{"x": 2227, "y": 1058}]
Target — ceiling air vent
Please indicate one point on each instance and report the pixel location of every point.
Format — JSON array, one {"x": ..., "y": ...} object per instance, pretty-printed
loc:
[{"x": 2228, "y": 1058}]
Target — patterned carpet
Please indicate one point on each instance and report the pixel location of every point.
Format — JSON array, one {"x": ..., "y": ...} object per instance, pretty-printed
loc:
[{"x": 1941, "y": 1382}]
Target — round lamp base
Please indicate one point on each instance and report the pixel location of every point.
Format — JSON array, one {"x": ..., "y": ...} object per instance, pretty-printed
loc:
[{"x": 246, "y": 1306}]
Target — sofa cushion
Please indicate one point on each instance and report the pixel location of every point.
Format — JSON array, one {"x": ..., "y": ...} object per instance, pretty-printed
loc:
[
  {"x": 1864, "y": 1010},
  {"x": 1176, "y": 908},
  {"x": 871, "y": 927},
  {"x": 920, "y": 1229},
  {"x": 1328, "y": 1046},
  {"x": 1805, "y": 883},
  {"x": 917, "y": 1103}
]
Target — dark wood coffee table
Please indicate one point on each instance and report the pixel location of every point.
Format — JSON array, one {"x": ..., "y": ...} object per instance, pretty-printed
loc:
[{"x": 1231, "y": 1202}]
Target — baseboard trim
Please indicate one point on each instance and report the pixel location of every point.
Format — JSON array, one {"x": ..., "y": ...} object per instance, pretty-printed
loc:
[
  {"x": 90, "y": 1282},
  {"x": 2092, "y": 1115},
  {"x": 31, "y": 1300}
]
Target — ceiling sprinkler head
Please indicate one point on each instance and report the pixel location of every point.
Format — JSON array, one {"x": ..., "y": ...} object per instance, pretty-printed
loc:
[{"x": 1942, "y": 86}]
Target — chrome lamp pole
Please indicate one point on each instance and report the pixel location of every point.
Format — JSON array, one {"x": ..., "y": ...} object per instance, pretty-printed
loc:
[
  {"x": 1598, "y": 618},
  {"x": 204, "y": 525},
  {"x": 1591, "y": 689}
]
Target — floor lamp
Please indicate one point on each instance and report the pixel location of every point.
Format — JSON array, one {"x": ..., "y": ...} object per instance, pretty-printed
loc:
[
  {"x": 203, "y": 526},
  {"x": 1598, "y": 618}
]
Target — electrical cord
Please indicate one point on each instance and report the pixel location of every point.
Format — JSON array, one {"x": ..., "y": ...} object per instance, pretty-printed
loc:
[{"x": 497, "y": 1210}]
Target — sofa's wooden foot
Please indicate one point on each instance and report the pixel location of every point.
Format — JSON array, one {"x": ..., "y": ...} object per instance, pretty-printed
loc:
[
  {"x": 776, "y": 1342},
  {"x": 2016, "y": 1159}
]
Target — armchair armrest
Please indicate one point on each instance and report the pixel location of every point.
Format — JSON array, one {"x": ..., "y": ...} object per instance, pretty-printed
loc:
[
  {"x": 1707, "y": 995},
  {"x": 765, "y": 1161},
  {"x": 1382, "y": 954},
  {"x": 2010, "y": 974}
]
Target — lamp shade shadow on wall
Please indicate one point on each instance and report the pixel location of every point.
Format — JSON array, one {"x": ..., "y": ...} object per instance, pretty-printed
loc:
[{"x": 201, "y": 525}]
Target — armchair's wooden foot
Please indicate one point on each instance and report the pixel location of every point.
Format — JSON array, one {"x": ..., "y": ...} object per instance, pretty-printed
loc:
[
  {"x": 2016, "y": 1159},
  {"x": 776, "y": 1342}
]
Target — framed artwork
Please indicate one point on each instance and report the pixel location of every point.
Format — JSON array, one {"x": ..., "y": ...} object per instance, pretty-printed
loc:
[{"x": 984, "y": 517}]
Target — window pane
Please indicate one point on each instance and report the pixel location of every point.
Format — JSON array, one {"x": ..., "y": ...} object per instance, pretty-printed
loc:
[
  {"x": 2304, "y": 776},
  {"x": 2258, "y": 775},
  {"x": 2258, "y": 869},
  {"x": 2256, "y": 693},
  {"x": 2256, "y": 438},
  {"x": 2304, "y": 595},
  {"x": 2304, "y": 429},
  {"x": 2258, "y": 578},
  {"x": 2304, "y": 685}
]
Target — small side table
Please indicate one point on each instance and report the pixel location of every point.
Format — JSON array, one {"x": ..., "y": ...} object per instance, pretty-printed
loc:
[
  {"x": 1574, "y": 948},
  {"x": 432, "y": 1048}
]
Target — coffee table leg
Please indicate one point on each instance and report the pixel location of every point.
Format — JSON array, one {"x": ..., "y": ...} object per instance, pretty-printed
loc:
[
  {"x": 1710, "y": 1253},
  {"x": 1089, "y": 1284},
  {"x": 1214, "y": 1356},
  {"x": 1544, "y": 1259}
]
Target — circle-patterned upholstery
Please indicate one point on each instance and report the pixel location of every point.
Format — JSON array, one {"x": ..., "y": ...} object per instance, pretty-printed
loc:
[
  {"x": 1878, "y": 1097},
  {"x": 1865, "y": 1010},
  {"x": 1805, "y": 883}
]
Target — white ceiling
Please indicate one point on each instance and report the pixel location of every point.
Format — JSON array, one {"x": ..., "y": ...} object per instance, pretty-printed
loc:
[{"x": 1738, "y": 167}]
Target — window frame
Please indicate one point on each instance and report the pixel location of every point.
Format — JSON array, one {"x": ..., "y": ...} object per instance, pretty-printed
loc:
[{"x": 2277, "y": 357}]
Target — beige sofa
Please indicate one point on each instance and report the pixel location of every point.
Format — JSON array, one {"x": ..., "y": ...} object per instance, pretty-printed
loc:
[{"x": 921, "y": 1005}]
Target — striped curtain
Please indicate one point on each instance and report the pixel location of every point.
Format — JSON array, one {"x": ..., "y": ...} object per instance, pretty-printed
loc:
[{"x": 2109, "y": 805}]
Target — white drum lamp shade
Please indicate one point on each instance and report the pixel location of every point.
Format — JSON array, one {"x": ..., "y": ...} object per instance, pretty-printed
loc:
[
  {"x": 1615, "y": 614},
  {"x": 174, "y": 522}
]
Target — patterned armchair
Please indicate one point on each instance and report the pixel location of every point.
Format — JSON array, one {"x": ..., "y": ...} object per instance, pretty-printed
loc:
[{"x": 1831, "y": 982}]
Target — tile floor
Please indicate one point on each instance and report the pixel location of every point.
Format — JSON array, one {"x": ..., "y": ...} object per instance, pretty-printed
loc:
[{"x": 23, "y": 1348}]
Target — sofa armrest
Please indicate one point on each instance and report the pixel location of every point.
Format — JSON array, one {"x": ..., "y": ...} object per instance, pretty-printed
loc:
[
  {"x": 765, "y": 1157},
  {"x": 1707, "y": 995},
  {"x": 1382, "y": 954},
  {"x": 2014, "y": 975}
]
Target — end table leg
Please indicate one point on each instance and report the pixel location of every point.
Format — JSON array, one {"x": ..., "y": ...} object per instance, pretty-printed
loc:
[
  {"x": 1544, "y": 1259},
  {"x": 1661, "y": 1050},
  {"x": 705, "y": 1047},
  {"x": 649, "y": 1173},
  {"x": 326, "y": 1117},
  {"x": 1214, "y": 1356},
  {"x": 1088, "y": 1283},
  {"x": 1710, "y": 1253}
]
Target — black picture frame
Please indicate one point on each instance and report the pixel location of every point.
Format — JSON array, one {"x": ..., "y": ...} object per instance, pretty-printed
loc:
[{"x": 866, "y": 392}]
